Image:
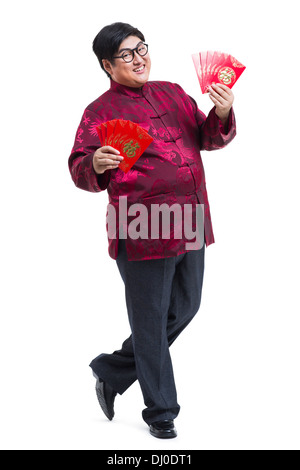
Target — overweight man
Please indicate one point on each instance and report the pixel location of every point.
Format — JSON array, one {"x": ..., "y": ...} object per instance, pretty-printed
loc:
[{"x": 162, "y": 274}]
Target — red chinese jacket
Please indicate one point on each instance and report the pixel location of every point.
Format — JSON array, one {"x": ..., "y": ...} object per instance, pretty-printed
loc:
[{"x": 169, "y": 171}]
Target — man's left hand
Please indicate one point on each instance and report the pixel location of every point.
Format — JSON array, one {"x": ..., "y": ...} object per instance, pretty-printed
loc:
[{"x": 222, "y": 97}]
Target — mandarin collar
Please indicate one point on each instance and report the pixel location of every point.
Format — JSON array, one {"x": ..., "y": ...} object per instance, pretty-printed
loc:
[{"x": 128, "y": 90}]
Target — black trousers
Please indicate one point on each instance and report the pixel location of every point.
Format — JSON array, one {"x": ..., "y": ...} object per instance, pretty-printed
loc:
[{"x": 162, "y": 297}]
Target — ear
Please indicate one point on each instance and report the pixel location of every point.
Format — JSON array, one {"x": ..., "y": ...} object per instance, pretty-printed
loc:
[{"x": 107, "y": 66}]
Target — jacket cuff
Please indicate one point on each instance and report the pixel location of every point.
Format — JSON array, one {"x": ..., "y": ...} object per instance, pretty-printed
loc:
[
  {"x": 103, "y": 180},
  {"x": 214, "y": 126},
  {"x": 226, "y": 129}
]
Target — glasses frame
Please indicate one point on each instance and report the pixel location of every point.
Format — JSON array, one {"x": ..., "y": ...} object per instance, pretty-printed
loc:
[{"x": 132, "y": 52}]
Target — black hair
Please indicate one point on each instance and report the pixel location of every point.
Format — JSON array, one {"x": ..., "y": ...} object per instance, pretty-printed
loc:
[{"x": 107, "y": 42}]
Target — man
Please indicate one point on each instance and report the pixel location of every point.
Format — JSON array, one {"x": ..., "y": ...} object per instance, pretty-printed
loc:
[{"x": 162, "y": 275}]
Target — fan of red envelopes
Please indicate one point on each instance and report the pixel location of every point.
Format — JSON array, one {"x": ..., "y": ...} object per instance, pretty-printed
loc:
[
  {"x": 216, "y": 67},
  {"x": 129, "y": 138}
]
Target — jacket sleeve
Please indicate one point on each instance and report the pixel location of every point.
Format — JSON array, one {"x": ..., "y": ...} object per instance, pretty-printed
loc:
[
  {"x": 81, "y": 159},
  {"x": 213, "y": 135}
]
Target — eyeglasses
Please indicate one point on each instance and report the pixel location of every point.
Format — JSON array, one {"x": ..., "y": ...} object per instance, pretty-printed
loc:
[{"x": 128, "y": 54}]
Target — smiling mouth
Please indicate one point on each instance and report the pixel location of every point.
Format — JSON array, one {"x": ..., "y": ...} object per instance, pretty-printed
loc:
[{"x": 140, "y": 69}]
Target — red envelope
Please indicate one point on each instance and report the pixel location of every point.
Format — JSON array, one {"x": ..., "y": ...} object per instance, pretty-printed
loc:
[
  {"x": 212, "y": 58},
  {"x": 229, "y": 71},
  {"x": 217, "y": 67},
  {"x": 99, "y": 132},
  {"x": 197, "y": 64},
  {"x": 110, "y": 131},
  {"x": 132, "y": 145},
  {"x": 118, "y": 133},
  {"x": 104, "y": 133},
  {"x": 203, "y": 68}
]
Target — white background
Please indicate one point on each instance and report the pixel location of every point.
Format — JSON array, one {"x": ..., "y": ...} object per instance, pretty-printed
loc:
[{"x": 62, "y": 297}]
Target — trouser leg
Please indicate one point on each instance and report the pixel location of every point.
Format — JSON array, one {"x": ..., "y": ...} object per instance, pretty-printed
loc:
[
  {"x": 186, "y": 292},
  {"x": 162, "y": 298},
  {"x": 148, "y": 287}
]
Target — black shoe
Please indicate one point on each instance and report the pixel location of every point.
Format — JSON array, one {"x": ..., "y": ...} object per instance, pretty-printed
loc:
[
  {"x": 106, "y": 397},
  {"x": 163, "y": 429}
]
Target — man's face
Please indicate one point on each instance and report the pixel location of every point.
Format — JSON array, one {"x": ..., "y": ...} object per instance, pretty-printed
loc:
[{"x": 134, "y": 74}]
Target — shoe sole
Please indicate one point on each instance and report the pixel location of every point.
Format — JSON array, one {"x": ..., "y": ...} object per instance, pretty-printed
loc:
[{"x": 101, "y": 400}]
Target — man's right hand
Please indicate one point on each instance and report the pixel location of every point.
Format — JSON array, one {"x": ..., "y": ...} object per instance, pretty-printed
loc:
[{"x": 106, "y": 158}]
